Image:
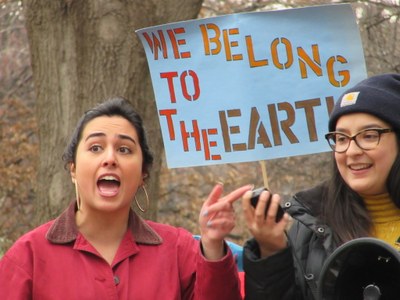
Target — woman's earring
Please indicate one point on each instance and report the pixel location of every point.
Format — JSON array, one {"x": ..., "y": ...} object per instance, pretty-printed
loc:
[
  {"x": 78, "y": 200},
  {"x": 147, "y": 200}
]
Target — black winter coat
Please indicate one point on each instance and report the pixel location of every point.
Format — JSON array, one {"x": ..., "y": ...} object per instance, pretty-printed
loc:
[{"x": 292, "y": 273}]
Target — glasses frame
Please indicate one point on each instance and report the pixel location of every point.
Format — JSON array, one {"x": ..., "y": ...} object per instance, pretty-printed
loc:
[{"x": 380, "y": 131}]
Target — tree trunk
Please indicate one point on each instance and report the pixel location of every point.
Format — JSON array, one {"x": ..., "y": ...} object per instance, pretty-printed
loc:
[{"x": 83, "y": 52}]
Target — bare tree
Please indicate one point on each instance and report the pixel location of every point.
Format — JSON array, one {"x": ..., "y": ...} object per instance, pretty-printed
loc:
[
  {"x": 379, "y": 23},
  {"x": 81, "y": 53}
]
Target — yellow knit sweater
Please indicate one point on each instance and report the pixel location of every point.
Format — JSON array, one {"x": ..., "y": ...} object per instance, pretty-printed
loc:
[{"x": 385, "y": 217}]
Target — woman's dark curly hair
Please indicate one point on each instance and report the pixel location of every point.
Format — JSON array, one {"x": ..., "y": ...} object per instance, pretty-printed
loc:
[{"x": 115, "y": 106}]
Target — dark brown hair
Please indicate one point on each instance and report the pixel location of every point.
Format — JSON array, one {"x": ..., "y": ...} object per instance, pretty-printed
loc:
[
  {"x": 344, "y": 210},
  {"x": 115, "y": 106}
]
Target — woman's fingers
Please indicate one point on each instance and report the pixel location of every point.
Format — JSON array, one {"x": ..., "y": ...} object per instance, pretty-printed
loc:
[{"x": 215, "y": 202}]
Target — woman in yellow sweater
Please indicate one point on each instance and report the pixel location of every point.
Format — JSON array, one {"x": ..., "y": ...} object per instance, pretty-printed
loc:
[{"x": 362, "y": 199}]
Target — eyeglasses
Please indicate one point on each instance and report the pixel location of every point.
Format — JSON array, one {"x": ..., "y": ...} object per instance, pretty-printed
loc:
[{"x": 366, "y": 139}]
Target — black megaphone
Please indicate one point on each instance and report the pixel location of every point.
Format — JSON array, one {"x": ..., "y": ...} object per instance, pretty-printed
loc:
[{"x": 361, "y": 269}]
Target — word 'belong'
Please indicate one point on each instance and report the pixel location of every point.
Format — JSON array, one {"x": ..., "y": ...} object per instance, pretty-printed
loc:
[{"x": 229, "y": 44}]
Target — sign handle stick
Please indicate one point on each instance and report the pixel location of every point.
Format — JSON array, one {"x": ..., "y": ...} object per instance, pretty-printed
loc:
[{"x": 264, "y": 173}]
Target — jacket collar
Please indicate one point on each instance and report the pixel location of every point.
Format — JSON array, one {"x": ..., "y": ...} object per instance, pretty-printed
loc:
[{"x": 64, "y": 230}]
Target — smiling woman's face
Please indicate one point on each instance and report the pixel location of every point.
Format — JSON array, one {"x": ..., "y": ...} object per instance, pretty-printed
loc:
[
  {"x": 366, "y": 171},
  {"x": 108, "y": 167}
]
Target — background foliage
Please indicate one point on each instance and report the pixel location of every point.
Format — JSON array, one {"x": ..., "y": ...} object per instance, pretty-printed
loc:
[{"x": 182, "y": 190}]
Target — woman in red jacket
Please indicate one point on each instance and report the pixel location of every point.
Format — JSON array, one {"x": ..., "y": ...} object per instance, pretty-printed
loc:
[{"x": 99, "y": 248}]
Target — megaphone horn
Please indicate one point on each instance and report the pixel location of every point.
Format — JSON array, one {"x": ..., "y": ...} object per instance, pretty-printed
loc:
[{"x": 364, "y": 268}]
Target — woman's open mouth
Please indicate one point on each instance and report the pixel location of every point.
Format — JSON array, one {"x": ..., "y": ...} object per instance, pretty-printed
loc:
[{"x": 108, "y": 185}]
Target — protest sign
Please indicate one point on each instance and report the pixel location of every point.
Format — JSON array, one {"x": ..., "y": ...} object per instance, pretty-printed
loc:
[{"x": 251, "y": 86}]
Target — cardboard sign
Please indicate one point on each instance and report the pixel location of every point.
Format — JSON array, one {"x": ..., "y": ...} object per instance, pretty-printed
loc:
[{"x": 251, "y": 86}]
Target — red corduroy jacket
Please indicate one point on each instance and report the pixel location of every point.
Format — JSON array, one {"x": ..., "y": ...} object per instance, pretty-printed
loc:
[{"x": 154, "y": 261}]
